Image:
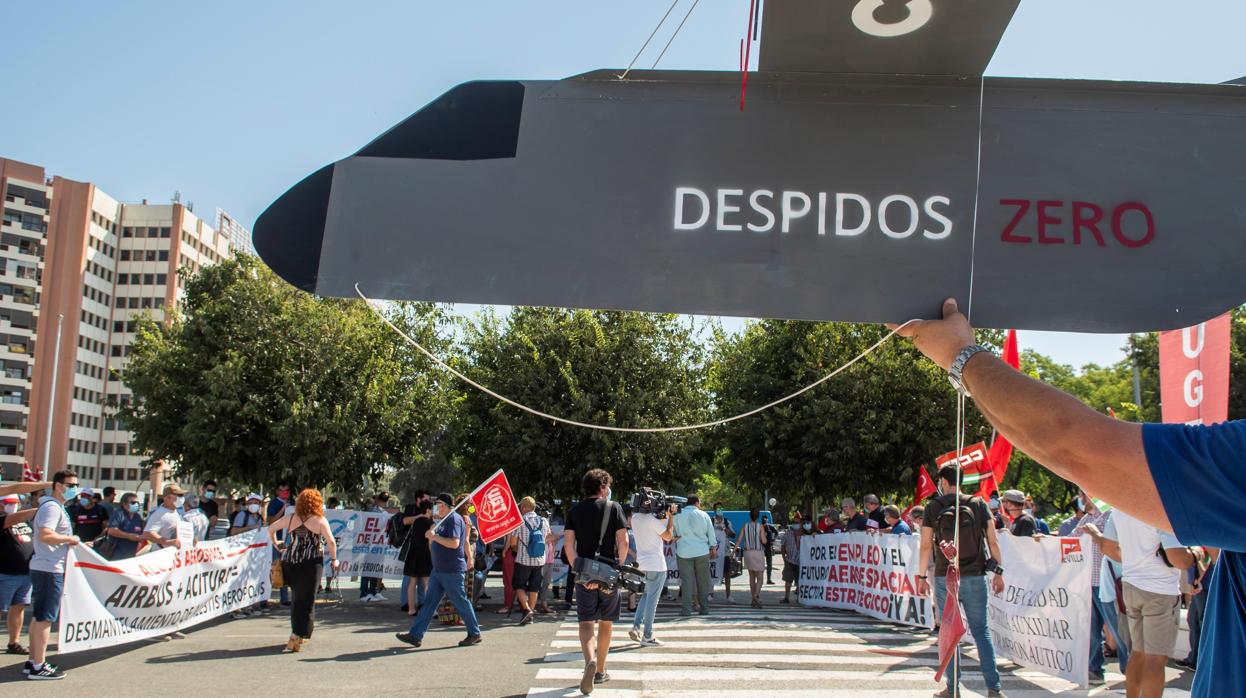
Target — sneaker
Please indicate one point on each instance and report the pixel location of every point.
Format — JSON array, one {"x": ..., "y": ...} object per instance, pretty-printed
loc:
[
  {"x": 376, "y": 597},
  {"x": 408, "y": 638},
  {"x": 600, "y": 677},
  {"x": 469, "y": 641},
  {"x": 45, "y": 673},
  {"x": 945, "y": 693},
  {"x": 1096, "y": 679},
  {"x": 238, "y": 615},
  {"x": 634, "y": 633},
  {"x": 995, "y": 693},
  {"x": 29, "y": 666},
  {"x": 652, "y": 642},
  {"x": 403, "y": 608},
  {"x": 527, "y": 618},
  {"x": 784, "y": 601},
  {"x": 1184, "y": 664},
  {"x": 586, "y": 679}
]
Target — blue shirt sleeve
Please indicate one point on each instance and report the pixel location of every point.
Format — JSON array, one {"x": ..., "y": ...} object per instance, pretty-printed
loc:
[{"x": 1198, "y": 469}]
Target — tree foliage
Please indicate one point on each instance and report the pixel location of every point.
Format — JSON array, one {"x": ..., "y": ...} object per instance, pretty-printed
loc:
[
  {"x": 615, "y": 368},
  {"x": 866, "y": 430},
  {"x": 253, "y": 381}
]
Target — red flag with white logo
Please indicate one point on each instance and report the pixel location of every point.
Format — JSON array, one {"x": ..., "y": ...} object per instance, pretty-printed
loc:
[
  {"x": 1194, "y": 372},
  {"x": 497, "y": 514},
  {"x": 925, "y": 488},
  {"x": 975, "y": 468}
]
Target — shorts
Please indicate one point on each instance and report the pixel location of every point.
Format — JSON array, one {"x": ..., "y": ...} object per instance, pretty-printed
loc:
[
  {"x": 791, "y": 571},
  {"x": 46, "y": 591},
  {"x": 527, "y": 578},
  {"x": 754, "y": 561},
  {"x": 14, "y": 591},
  {"x": 595, "y": 604},
  {"x": 1153, "y": 620}
]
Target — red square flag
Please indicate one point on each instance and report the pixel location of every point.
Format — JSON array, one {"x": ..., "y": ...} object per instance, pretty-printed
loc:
[{"x": 496, "y": 511}]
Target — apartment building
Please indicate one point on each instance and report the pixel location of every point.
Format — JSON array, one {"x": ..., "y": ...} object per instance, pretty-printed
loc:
[{"x": 104, "y": 263}]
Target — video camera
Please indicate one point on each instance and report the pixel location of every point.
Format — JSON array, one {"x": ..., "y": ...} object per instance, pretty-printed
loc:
[
  {"x": 651, "y": 501},
  {"x": 609, "y": 575}
]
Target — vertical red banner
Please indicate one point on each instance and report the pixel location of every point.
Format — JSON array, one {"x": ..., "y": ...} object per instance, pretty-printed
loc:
[{"x": 1194, "y": 372}]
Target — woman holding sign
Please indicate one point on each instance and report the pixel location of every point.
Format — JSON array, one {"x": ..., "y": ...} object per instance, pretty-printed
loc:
[{"x": 302, "y": 560}]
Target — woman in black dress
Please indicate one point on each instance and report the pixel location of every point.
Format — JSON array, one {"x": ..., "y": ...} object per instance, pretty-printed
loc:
[{"x": 418, "y": 563}]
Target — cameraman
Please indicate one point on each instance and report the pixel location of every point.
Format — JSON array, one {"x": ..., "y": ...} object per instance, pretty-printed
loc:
[
  {"x": 651, "y": 533},
  {"x": 585, "y": 537}
]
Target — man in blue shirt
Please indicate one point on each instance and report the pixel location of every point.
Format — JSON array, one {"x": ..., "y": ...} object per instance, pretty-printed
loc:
[
  {"x": 695, "y": 545},
  {"x": 447, "y": 541},
  {"x": 895, "y": 524},
  {"x": 1165, "y": 475}
]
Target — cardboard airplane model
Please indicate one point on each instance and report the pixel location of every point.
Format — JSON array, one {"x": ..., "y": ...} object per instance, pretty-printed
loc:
[{"x": 873, "y": 173}]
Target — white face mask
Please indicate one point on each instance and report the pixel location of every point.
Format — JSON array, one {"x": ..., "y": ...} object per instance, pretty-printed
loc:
[
  {"x": 10, "y": 509},
  {"x": 177, "y": 503},
  {"x": 608, "y": 493},
  {"x": 253, "y": 508}
]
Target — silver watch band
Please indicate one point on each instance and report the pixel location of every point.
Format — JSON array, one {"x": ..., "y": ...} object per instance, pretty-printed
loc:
[{"x": 956, "y": 370}]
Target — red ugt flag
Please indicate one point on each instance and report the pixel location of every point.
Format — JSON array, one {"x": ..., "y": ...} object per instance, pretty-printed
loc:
[{"x": 496, "y": 511}]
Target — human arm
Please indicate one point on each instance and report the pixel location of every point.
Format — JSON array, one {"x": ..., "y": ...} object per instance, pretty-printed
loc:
[
  {"x": 23, "y": 488},
  {"x": 1050, "y": 426},
  {"x": 1109, "y": 546},
  {"x": 568, "y": 547},
  {"x": 992, "y": 544},
  {"x": 279, "y": 524},
  {"x": 330, "y": 543},
  {"x": 668, "y": 533},
  {"x": 18, "y": 517},
  {"x": 923, "y": 560},
  {"x": 275, "y": 514},
  {"x": 620, "y": 545}
]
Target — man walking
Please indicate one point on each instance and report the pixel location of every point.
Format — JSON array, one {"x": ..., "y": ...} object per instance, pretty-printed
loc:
[
  {"x": 448, "y": 547},
  {"x": 1101, "y": 613},
  {"x": 791, "y": 559},
  {"x": 772, "y": 535},
  {"x": 652, "y": 532},
  {"x": 939, "y": 526},
  {"x": 696, "y": 544},
  {"x": 596, "y": 528},
  {"x": 1152, "y": 562},
  {"x": 530, "y": 540},
  {"x": 53, "y": 538}
]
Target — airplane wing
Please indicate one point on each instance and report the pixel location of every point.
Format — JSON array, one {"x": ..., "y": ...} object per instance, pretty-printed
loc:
[
  {"x": 914, "y": 37},
  {"x": 1239, "y": 81}
]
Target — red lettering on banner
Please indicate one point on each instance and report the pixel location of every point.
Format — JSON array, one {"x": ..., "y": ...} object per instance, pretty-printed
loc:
[
  {"x": 1118, "y": 232},
  {"x": 1082, "y": 222},
  {"x": 1045, "y": 220},
  {"x": 1023, "y": 207}
]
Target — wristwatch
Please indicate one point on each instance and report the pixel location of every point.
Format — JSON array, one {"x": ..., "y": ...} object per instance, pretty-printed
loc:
[{"x": 958, "y": 365}]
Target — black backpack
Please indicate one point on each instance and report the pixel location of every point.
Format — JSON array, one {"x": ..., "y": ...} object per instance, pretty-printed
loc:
[
  {"x": 395, "y": 531},
  {"x": 971, "y": 538}
]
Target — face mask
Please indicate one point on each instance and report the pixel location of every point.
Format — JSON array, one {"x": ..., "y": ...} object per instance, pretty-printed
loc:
[
  {"x": 133, "y": 508},
  {"x": 1027, "y": 512},
  {"x": 795, "y": 527},
  {"x": 177, "y": 503},
  {"x": 10, "y": 509},
  {"x": 209, "y": 495},
  {"x": 808, "y": 526},
  {"x": 71, "y": 492},
  {"x": 718, "y": 512},
  {"x": 85, "y": 501},
  {"x": 253, "y": 508},
  {"x": 608, "y": 493},
  {"x": 340, "y": 506}
]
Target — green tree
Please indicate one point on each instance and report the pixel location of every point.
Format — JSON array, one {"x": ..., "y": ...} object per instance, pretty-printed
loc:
[
  {"x": 866, "y": 430},
  {"x": 616, "y": 368},
  {"x": 252, "y": 381}
]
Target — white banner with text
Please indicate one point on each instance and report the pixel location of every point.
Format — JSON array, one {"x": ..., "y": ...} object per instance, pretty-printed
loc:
[
  {"x": 112, "y": 602},
  {"x": 362, "y": 548},
  {"x": 875, "y": 575}
]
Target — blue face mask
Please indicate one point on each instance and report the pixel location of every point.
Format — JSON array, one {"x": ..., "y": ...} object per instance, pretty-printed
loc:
[
  {"x": 85, "y": 501},
  {"x": 71, "y": 493},
  {"x": 133, "y": 508},
  {"x": 209, "y": 495}
]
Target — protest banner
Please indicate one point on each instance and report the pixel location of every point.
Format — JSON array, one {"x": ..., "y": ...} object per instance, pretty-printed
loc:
[
  {"x": 1041, "y": 621},
  {"x": 497, "y": 514},
  {"x": 872, "y": 574},
  {"x": 558, "y": 569},
  {"x": 362, "y": 548},
  {"x": 110, "y": 603}
]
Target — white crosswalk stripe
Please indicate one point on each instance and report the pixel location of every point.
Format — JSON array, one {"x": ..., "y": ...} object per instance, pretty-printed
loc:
[{"x": 789, "y": 651}]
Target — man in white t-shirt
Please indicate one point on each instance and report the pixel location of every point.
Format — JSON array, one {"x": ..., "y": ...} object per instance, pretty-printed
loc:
[
  {"x": 651, "y": 534},
  {"x": 161, "y": 528},
  {"x": 1151, "y": 565}
]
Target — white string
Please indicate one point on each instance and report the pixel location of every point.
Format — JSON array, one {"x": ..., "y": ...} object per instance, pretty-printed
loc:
[
  {"x": 646, "y": 44},
  {"x": 977, "y": 194},
  {"x": 629, "y": 430},
  {"x": 677, "y": 29}
]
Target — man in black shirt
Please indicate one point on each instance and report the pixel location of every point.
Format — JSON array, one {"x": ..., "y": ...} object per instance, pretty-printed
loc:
[
  {"x": 853, "y": 519},
  {"x": 1013, "y": 504},
  {"x": 874, "y": 511},
  {"x": 16, "y": 549},
  {"x": 88, "y": 518},
  {"x": 596, "y": 608},
  {"x": 976, "y": 532},
  {"x": 209, "y": 507}
]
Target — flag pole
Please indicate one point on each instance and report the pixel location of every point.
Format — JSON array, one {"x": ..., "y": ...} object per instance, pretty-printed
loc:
[{"x": 56, "y": 359}]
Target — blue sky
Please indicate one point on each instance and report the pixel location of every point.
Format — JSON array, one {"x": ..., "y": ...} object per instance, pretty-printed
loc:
[{"x": 231, "y": 102}]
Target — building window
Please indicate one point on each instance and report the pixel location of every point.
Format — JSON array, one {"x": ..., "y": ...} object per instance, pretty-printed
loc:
[
  {"x": 162, "y": 279},
  {"x": 149, "y": 278},
  {"x": 152, "y": 232},
  {"x": 164, "y": 255},
  {"x": 105, "y": 473},
  {"x": 127, "y": 231},
  {"x": 150, "y": 256},
  {"x": 125, "y": 255},
  {"x": 164, "y": 232},
  {"x": 134, "y": 301},
  {"x": 121, "y": 449},
  {"x": 132, "y": 473}
]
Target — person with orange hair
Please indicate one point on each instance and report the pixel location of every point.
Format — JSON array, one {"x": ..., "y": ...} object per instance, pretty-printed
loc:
[{"x": 302, "y": 560}]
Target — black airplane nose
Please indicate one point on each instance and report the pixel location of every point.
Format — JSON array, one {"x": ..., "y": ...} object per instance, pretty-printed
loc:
[{"x": 289, "y": 233}]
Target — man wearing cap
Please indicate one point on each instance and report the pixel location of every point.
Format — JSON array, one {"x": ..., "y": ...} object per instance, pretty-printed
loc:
[
  {"x": 16, "y": 549},
  {"x": 161, "y": 528},
  {"x": 528, "y": 567},
  {"x": 1023, "y": 523},
  {"x": 195, "y": 516},
  {"x": 125, "y": 527},
  {"x": 88, "y": 518},
  {"x": 248, "y": 518},
  {"x": 874, "y": 511},
  {"x": 448, "y": 547}
]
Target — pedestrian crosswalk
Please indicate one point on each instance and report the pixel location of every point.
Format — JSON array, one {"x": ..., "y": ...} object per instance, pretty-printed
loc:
[{"x": 782, "y": 651}]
